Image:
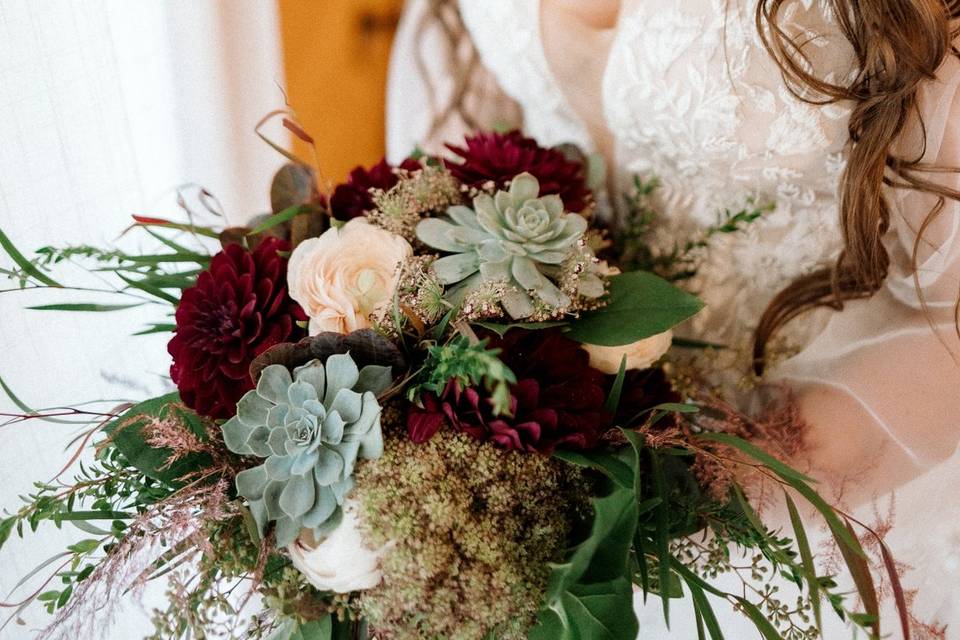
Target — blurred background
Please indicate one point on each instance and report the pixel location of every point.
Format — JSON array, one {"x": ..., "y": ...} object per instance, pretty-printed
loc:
[{"x": 106, "y": 107}]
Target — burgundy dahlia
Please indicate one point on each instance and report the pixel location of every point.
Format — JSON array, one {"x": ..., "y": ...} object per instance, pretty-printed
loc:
[
  {"x": 238, "y": 308},
  {"x": 557, "y": 402},
  {"x": 352, "y": 198},
  {"x": 499, "y": 157}
]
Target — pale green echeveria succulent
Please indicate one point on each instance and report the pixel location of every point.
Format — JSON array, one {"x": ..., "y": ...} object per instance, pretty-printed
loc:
[
  {"x": 516, "y": 237},
  {"x": 311, "y": 428}
]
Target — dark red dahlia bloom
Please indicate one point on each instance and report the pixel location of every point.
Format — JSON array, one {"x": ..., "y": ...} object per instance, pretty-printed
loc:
[
  {"x": 557, "y": 401},
  {"x": 238, "y": 308},
  {"x": 499, "y": 157},
  {"x": 352, "y": 198}
]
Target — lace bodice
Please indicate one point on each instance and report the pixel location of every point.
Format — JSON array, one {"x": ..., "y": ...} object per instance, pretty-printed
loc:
[{"x": 693, "y": 99}]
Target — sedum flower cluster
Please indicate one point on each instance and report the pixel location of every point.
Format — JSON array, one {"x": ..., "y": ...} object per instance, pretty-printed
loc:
[
  {"x": 310, "y": 429},
  {"x": 473, "y": 530},
  {"x": 430, "y": 189}
]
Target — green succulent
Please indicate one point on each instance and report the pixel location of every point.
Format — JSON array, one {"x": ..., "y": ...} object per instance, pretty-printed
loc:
[
  {"x": 310, "y": 428},
  {"x": 515, "y": 237}
]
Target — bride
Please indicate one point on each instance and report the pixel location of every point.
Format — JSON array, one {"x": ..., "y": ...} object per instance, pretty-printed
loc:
[{"x": 845, "y": 114}]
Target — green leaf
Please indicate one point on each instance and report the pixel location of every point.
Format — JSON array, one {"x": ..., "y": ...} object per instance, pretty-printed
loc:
[
  {"x": 157, "y": 328},
  {"x": 279, "y": 218},
  {"x": 84, "y": 546},
  {"x": 590, "y": 595},
  {"x": 806, "y": 557},
  {"x": 613, "y": 399},
  {"x": 315, "y": 630},
  {"x": 860, "y": 570},
  {"x": 662, "y": 536},
  {"x": 126, "y": 434},
  {"x": 163, "y": 258},
  {"x": 756, "y": 453},
  {"x": 85, "y": 306},
  {"x": 96, "y": 515},
  {"x": 28, "y": 267},
  {"x": 189, "y": 228},
  {"x": 6, "y": 528},
  {"x": 501, "y": 329},
  {"x": 796, "y": 480},
  {"x": 148, "y": 288},
  {"x": 595, "y": 611},
  {"x": 640, "y": 305}
]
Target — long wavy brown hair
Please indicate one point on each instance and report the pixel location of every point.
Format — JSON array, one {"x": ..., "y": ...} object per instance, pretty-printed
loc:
[{"x": 898, "y": 45}]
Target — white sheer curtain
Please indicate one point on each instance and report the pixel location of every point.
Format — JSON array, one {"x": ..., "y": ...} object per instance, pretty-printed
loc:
[{"x": 105, "y": 107}]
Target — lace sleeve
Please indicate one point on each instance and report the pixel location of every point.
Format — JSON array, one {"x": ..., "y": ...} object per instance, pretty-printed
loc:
[
  {"x": 424, "y": 80},
  {"x": 880, "y": 387}
]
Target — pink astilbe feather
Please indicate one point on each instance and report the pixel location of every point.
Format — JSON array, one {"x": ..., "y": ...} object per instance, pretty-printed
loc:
[{"x": 176, "y": 523}]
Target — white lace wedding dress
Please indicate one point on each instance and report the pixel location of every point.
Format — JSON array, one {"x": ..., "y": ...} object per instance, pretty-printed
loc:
[{"x": 691, "y": 97}]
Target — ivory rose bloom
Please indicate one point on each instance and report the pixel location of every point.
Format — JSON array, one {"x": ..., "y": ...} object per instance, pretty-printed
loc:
[
  {"x": 640, "y": 354},
  {"x": 340, "y": 562},
  {"x": 346, "y": 274}
]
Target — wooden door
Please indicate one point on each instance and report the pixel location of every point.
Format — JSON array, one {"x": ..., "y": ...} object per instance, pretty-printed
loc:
[{"x": 335, "y": 57}]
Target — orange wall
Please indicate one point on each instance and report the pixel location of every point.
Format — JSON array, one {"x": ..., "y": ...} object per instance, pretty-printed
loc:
[{"x": 335, "y": 59}]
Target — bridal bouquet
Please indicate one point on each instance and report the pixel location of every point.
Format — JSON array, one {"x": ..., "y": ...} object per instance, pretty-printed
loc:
[{"x": 429, "y": 403}]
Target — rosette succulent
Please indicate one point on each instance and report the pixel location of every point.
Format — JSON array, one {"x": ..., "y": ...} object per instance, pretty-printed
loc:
[
  {"x": 311, "y": 428},
  {"x": 515, "y": 237}
]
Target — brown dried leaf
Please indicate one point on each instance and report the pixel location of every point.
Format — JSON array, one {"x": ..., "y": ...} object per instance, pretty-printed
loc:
[{"x": 365, "y": 347}]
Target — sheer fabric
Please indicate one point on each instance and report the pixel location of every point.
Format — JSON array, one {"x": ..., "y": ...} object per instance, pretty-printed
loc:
[
  {"x": 692, "y": 98},
  {"x": 106, "y": 106}
]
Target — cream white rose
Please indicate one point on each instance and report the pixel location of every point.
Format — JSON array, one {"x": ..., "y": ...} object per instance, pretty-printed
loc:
[
  {"x": 640, "y": 354},
  {"x": 346, "y": 274},
  {"x": 341, "y": 562}
]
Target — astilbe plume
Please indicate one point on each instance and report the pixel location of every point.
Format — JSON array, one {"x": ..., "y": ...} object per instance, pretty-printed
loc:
[
  {"x": 238, "y": 308},
  {"x": 179, "y": 522},
  {"x": 557, "y": 401},
  {"x": 493, "y": 159},
  {"x": 473, "y": 530},
  {"x": 353, "y": 198}
]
